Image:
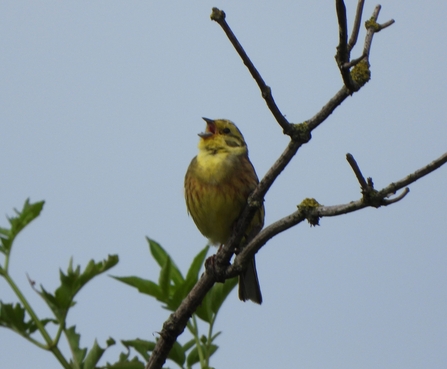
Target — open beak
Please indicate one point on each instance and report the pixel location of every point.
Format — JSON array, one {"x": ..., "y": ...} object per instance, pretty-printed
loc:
[{"x": 210, "y": 128}]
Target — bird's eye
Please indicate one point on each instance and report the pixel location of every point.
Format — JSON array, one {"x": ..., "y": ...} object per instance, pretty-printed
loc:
[{"x": 226, "y": 130}]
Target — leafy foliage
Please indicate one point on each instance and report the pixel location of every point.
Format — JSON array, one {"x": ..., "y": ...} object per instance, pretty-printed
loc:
[
  {"x": 71, "y": 283},
  {"x": 171, "y": 288},
  {"x": 18, "y": 223},
  {"x": 21, "y": 318}
]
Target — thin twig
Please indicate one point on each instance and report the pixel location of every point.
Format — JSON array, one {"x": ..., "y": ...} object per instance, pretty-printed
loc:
[
  {"x": 357, "y": 171},
  {"x": 328, "y": 211},
  {"x": 328, "y": 108},
  {"x": 372, "y": 28},
  {"x": 342, "y": 48},
  {"x": 404, "y": 193},
  {"x": 385, "y": 25},
  {"x": 354, "y": 81},
  {"x": 394, "y": 187},
  {"x": 354, "y": 62},
  {"x": 219, "y": 16},
  {"x": 343, "y": 52},
  {"x": 356, "y": 26}
]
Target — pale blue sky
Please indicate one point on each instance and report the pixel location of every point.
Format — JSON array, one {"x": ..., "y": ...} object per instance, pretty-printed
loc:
[{"x": 100, "y": 106}]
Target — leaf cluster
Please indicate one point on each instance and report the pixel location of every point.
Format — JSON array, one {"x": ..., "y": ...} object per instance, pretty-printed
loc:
[
  {"x": 170, "y": 289},
  {"x": 21, "y": 317}
]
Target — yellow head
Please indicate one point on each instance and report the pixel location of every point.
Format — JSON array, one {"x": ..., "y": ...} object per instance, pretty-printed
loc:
[{"x": 221, "y": 136}]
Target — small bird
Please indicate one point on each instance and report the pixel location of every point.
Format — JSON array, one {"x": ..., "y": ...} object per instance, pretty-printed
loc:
[{"x": 217, "y": 185}]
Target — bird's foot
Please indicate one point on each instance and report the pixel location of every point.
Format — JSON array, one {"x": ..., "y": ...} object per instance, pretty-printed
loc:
[{"x": 212, "y": 268}]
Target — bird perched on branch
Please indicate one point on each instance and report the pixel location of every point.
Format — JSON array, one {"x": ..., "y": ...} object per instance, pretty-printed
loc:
[{"x": 217, "y": 185}]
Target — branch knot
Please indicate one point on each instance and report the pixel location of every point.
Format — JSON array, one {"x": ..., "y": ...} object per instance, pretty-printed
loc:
[
  {"x": 217, "y": 15},
  {"x": 308, "y": 207},
  {"x": 372, "y": 24},
  {"x": 361, "y": 73},
  {"x": 300, "y": 132}
]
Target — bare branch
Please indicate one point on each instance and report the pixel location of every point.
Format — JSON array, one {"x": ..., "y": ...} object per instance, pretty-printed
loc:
[
  {"x": 219, "y": 17},
  {"x": 397, "y": 198},
  {"x": 300, "y": 134},
  {"x": 385, "y": 25},
  {"x": 360, "y": 74},
  {"x": 373, "y": 27},
  {"x": 328, "y": 108},
  {"x": 317, "y": 211},
  {"x": 342, "y": 48},
  {"x": 357, "y": 172},
  {"x": 353, "y": 62},
  {"x": 343, "y": 53},
  {"x": 394, "y": 187},
  {"x": 356, "y": 27}
]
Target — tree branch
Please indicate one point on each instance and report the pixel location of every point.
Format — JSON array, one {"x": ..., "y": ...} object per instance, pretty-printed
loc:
[
  {"x": 357, "y": 171},
  {"x": 266, "y": 92},
  {"x": 356, "y": 27},
  {"x": 359, "y": 75},
  {"x": 310, "y": 209},
  {"x": 299, "y": 134}
]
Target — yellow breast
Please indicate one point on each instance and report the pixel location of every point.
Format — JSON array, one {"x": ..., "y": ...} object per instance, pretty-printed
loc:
[{"x": 215, "y": 194}]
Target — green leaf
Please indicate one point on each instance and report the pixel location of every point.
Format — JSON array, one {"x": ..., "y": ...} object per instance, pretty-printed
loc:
[
  {"x": 164, "y": 280},
  {"x": 72, "y": 282},
  {"x": 18, "y": 223},
  {"x": 215, "y": 336},
  {"x": 214, "y": 299},
  {"x": 204, "y": 311},
  {"x": 177, "y": 354},
  {"x": 179, "y": 292},
  {"x": 135, "y": 363},
  {"x": 13, "y": 317},
  {"x": 143, "y": 285},
  {"x": 193, "y": 273},
  {"x": 141, "y": 346},
  {"x": 5, "y": 242},
  {"x": 189, "y": 344},
  {"x": 160, "y": 256},
  {"x": 220, "y": 292},
  {"x": 59, "y": 310},
  {"x": 73, "y": 339},
  {"x": 213, "y": 349},
  {"x": 193, "y": 357},
  {"x": 93, "y": 356}
]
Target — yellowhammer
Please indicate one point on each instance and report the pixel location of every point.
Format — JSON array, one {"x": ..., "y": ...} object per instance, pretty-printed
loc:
[{"x": 217, "y": 185}]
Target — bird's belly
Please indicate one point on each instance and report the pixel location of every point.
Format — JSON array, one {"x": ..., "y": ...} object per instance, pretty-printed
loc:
[{"x": 216, "y": 209}]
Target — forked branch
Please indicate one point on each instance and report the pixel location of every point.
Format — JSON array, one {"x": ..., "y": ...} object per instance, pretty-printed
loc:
[
  {"x": 311, "y": 211},
  {"x": 355, "y": 73}
]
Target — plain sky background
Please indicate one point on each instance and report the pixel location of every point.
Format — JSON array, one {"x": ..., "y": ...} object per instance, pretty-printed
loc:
[{"x": 100, "y": 106}]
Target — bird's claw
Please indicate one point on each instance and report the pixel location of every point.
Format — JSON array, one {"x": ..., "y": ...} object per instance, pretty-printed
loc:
[{"x": 210, "y": 266}]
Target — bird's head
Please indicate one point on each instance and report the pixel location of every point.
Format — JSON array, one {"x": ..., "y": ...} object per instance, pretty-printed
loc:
[{"x": 222, "y": 135}]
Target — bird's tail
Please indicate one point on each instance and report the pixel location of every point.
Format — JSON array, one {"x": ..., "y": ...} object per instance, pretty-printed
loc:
[{"x": 249, "y": 288}]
